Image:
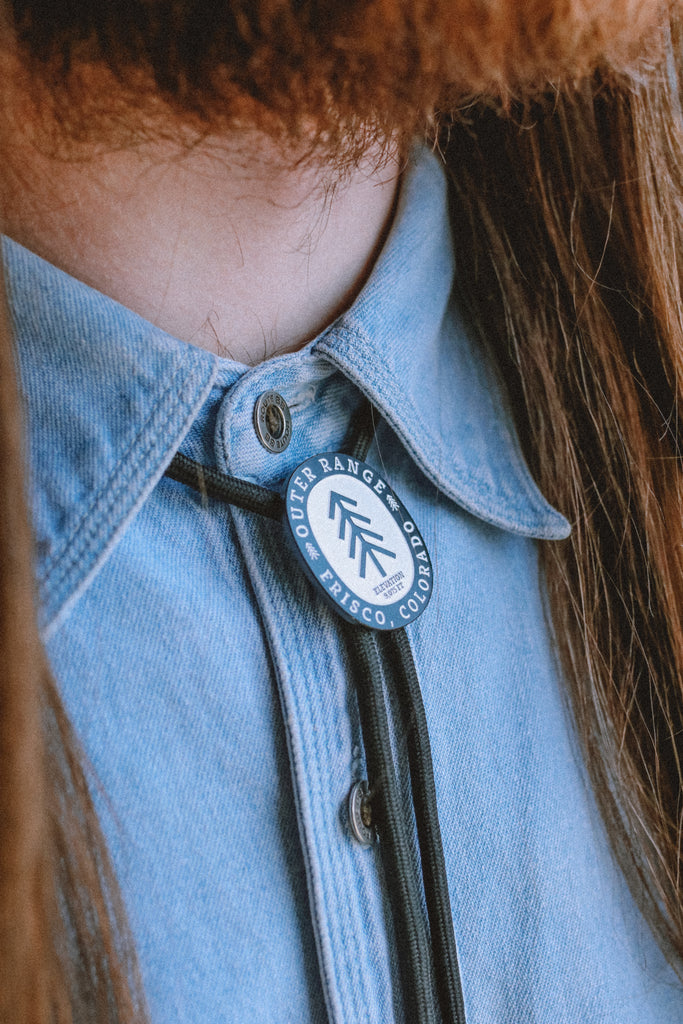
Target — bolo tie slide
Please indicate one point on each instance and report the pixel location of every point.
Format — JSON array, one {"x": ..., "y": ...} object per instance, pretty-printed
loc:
[{"x": 357, "y": 543}]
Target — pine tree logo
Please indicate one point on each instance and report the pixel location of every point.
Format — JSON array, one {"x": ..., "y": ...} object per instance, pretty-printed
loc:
[{"x": 361, "y": 538}]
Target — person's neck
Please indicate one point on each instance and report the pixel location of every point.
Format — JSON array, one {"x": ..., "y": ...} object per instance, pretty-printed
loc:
[{"x": 224, "y": 246}]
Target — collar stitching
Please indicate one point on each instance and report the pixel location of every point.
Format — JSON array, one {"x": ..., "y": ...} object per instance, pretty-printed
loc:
[{"x": 90, "y": 529}]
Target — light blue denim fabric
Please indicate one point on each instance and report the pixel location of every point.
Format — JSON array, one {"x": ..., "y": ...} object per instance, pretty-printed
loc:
[{"x": 209, "y": 682}]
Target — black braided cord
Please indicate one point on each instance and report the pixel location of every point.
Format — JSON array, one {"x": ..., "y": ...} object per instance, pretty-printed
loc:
[
  {"x": 362, "y": 433},
  {"x": 389, "y": 816},
  {"x": 213, "y": 484},
  {"x": 399, "y": 658},
  {"x": 401, "y": 670}
]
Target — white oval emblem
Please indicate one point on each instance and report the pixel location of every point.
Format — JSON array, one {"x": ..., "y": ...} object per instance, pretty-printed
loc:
[{"x": 357, "y": 541}]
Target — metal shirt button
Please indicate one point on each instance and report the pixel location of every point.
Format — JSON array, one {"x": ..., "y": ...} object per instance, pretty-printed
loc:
[
  {"x": 272, "y": 421},
  {"x": 360, "y": 814}
]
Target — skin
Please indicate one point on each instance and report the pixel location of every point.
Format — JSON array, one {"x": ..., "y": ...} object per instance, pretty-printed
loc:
[
  {"x": 222, "y": 246},
  {"x": 236, "y": 242}
]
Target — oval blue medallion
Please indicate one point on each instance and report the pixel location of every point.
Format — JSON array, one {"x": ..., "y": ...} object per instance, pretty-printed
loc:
[{"x": 357, "y": 541}]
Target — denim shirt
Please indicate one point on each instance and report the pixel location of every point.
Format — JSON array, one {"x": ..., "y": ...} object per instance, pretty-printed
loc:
[{"x": 208, "y": 680}]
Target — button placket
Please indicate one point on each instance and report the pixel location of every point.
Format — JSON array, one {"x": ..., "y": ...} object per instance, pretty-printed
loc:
[
  {"x": 346, "y": 896},
  {"x": 345, "y": 887}
]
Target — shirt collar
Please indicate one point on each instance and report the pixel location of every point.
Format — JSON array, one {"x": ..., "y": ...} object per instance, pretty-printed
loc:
[
  {"x": 405, "y": 345},
  {"x": 110, "y": 397}
]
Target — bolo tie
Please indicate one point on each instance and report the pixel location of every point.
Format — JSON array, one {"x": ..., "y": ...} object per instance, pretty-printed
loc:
[{"x": 348, "y": 528}]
